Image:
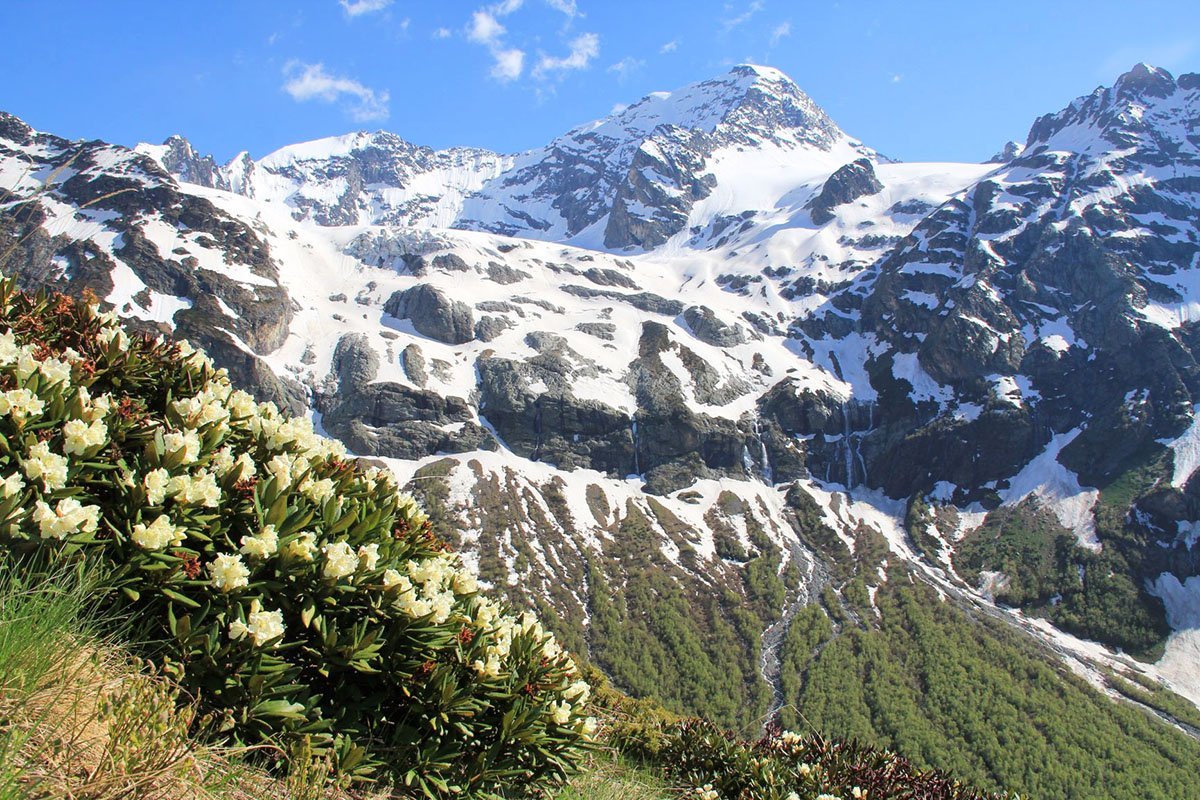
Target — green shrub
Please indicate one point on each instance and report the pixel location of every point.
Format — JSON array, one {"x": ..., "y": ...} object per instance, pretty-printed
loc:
[
  {"x": 786, "y": 766},
  {"x": 296, "y": 595}
]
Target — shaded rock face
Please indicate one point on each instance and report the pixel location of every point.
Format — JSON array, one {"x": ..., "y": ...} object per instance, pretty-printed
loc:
[
  {"x": 388, "y": 419},
  {"x": 182, "y": 161},
  {"x": 1045, "y": 298},
  {"x": 433, "y": 314},
  {"x": 533, "y": 409},
  {"x": 850, "y": 182},
  {"x": 674, "y": 445},
  {"x": 710, "y": 329}
]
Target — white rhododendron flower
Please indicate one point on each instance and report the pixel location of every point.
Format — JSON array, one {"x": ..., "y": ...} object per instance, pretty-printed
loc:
[
  {"x": 221, "y": 462},
  {"x": 228, "y": 572},
  {"x": 241, "y": 404},
  {"x": 261, "y": 626},
  {"x": 27, "y": 365},
  {"x": 246, "y": 468},
  {"x": 156, "y": 483},
  {"x": 22, "y": 404},
  {"x": 588, "y": 727},
  {"x": 185, "y": 444},
  {"x": 560, "y": 712},
  {"x": 106, "y": 336},
  {"x": 489, "y": 668},
  {"x": 55, "y": 371},
  {"x": 340, "y": 560},
  {"x": 196, "y": 490},
  {"x": 158, "y": 534},
  {"x": 392, "y": 579},
  {"x": 441, "y": 606},
  {"x": 317, "y": 491},
  {"x": 11, "y": 485},
  {"x": 263, "y": 544},
  {"x": 8, "y": 348},
  {"x": 551, "y": 648},
  {"x": 47, "y": 466},
  {"x": 206, "y": 408},
  {"x": 304, "y": 546},
  {"x": 81, "y": 436},
  {"x": 368, "y": 556},
  {"x": 465, "y": 582},
  {"x": 578, "y": 691},
  {"x": 68, "y": 517}
]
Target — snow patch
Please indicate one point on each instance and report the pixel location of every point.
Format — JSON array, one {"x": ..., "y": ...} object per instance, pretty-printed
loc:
[{"x": 1057, "y": 488}]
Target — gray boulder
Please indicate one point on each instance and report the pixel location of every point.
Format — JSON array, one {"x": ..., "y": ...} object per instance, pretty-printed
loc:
[
  {"x": 433, "y": 314},
  {"x": 709, "y": 328}
]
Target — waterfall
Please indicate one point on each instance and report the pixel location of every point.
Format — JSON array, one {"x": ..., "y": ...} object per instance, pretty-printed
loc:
[
  {"x": 633, "y": 437},
  {"x": 767, "y": 473},
  {"x": 847, "y": 453}
]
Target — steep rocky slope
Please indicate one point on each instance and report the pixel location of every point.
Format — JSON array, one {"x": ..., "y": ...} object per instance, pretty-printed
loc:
[{"x": 695, "y": 366}]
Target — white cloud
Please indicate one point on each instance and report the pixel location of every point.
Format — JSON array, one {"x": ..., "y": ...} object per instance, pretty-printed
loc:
[
  {"x": 442, "y": 33},
  {"x": 583, "y": 49},
  {"x": 626, "y": 67},
  {"x": 618, "y": 108},
  {"x": 896, "y": 78},
  {"x": 565, "y": 6},
  {"x": 355, "y": 8},
  {"x": 484, "y": 28},
  {"x": 306, "y": 82},
  {"x": 509, "y": 64},
  {"x": 744, "y": 17},
  {"x": 781, "y": 31},
  {"x": 669, "y": 47},
  {"x": 404, "y": 23}
]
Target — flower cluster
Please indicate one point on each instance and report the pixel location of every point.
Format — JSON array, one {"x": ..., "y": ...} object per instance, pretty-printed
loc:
[{"x": 285, "y": 575}]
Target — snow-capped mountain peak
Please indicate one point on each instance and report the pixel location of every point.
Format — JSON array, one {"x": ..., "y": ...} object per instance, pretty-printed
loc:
[
  {"x": 750, "y": 103},
  {"x": 1146, "y": 108}
]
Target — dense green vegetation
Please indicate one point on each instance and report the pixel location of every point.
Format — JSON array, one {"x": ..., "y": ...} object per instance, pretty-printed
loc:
[
  {"x": 1096, "y": 595},
  {"x": 1029, "y": 546},
  {"x": 976, "y": 699},
  {"x": 696, "y": 651}
]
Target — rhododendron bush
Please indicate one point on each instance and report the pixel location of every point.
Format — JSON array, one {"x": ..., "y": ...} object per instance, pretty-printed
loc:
[{"x": 299, "y": 594}]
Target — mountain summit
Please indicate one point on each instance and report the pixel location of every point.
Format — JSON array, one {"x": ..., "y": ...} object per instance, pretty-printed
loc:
[{"x": 628, "y": 181}]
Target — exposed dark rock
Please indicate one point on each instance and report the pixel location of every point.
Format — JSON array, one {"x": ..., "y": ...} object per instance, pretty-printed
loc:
[
  {"x": 504, "y": 274},
  {"x": 413, "y": 362},
  {"x": 709, "y": 328},
  {"x": 850, "y": 182},
  {"x": 489, "y": 327},
  {"x": 433, "y": 314},
  {"x": 643, "y": 301},
  {"x": 601, "y": 330},
  {"x": 355, "y": 362},
  {"x": 609, "y": 277}
]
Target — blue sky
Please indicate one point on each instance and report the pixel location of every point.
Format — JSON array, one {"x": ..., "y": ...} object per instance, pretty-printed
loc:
[{"x": 915, "y": 80}]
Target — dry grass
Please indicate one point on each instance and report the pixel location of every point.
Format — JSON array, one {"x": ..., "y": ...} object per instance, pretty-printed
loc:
[
  {"x": 99, "y": 727},
  {"x": 83, "y": 720},
  {"x": 604, "y": 777}
]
